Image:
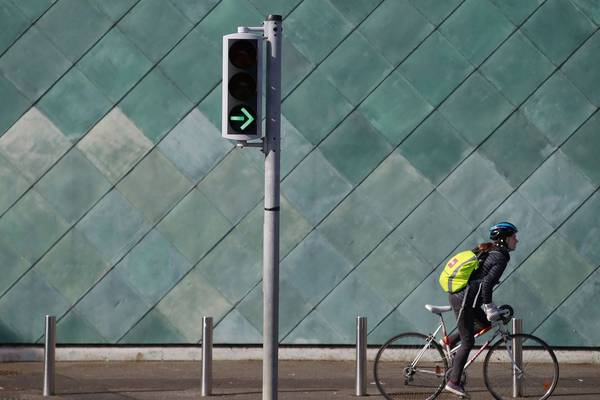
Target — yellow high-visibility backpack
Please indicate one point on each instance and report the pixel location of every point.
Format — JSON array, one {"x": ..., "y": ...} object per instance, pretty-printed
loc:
[{"x": 458, "y": 270}]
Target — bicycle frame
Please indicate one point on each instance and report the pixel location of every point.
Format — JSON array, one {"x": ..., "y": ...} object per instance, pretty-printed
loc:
[{"x": 448, "y": 352}]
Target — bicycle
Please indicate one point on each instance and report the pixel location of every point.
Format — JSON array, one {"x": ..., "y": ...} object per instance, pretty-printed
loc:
[{"x": 416, "y": 364}]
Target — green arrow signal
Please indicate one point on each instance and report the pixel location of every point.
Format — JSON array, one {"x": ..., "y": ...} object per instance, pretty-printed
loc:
[{"x": 248, "y": 116}]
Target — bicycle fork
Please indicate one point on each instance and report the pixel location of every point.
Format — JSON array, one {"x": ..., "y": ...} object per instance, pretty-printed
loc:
[{"x": 517, "y": 371}]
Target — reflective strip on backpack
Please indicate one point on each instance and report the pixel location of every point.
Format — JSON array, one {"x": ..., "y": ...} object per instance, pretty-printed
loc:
[{"x": 451, "y": 278}]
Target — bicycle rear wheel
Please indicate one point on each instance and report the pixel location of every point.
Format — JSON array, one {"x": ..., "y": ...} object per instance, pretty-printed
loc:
[
  {"x": 537, "y": 374},
  {"x": 408, "y": 366}
]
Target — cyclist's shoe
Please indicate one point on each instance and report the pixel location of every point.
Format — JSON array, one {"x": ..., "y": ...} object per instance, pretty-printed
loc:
[{"x": 457, "y": 389}]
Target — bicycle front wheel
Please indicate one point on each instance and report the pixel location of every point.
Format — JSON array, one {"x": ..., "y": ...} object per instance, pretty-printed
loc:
[
  {"x": 533, "y": 377},
  {"x": 410, "y": 366}
]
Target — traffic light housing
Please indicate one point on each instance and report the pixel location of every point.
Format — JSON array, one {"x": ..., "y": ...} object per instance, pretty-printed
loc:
[{"x": 242, "y": 86}]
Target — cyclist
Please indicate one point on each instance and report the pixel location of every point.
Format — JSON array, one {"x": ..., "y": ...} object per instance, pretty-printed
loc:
[{"x": 473, "y": 305}]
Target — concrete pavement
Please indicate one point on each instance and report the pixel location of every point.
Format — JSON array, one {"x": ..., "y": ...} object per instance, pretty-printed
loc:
[{"x": 239, "y": 380}]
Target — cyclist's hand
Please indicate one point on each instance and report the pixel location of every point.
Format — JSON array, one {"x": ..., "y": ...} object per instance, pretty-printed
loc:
[{"x": 492, "y": 312}]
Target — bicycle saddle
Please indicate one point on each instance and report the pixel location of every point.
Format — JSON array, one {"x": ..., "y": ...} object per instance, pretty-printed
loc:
[{"x": 438, "y": 309}]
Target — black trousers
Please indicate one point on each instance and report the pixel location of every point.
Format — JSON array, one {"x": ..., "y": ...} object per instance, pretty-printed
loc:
[{"x": 471, "y": 318}]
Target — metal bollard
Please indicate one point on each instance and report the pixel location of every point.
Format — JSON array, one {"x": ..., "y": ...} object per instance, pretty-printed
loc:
[
  {"x": 49, "y": 352},
  {"x": 207, "y": 344},
  {"x": 517, "y": 327},
  {"x": 361, "y": 356}
]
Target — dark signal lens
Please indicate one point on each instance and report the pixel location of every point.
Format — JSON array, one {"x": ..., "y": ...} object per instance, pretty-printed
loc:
[
  {"x": 242, "y": 86},
  {"x": 242, "y": 54}
]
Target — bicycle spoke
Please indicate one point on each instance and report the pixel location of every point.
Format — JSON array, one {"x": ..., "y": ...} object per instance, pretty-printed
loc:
[
  {"x": 536, "y": 376},
  {"x": 408, "y": 365}
]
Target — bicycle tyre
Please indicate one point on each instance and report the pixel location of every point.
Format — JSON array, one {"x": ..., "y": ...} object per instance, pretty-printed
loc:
[
  {"x": 394, "y": 376},
  {"x": 539, "y": 370}
]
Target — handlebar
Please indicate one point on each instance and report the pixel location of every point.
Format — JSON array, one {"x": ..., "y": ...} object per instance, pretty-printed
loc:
[{"x": 508, "y": 313}]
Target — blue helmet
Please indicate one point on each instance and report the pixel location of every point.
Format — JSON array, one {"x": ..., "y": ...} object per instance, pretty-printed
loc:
[{"x": 502, "y": 230}]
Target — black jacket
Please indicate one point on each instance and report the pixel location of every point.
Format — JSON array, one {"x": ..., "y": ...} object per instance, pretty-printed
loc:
[{"x": 491, "y": 266}]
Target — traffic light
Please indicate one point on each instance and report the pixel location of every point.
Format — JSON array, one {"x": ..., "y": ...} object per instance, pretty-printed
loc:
[{"x": 242, "y": 86}]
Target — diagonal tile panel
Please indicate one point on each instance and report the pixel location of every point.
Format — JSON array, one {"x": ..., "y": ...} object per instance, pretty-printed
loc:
[
  {"x": 436, "y": 11},
  {"x": 114, "y": 65},
  {"x": 475, "y": 183},
  {"x": 517, "y": 10},
  {"x": 394, "y": 188},
  {"x": 28, "y": 323},
  {"x": 582, "y": 230},
  {"x": 33, "y": 9},
  {"x": 112, "y": 299},
  {"x": 577, "y": 68},
  {"x": 13, "y": 184},
  {"x": 395, "y": 28},
  {"x": 194, "y": 65},
  {"x": 32, "y": 226},
  {"x": 435, "y": 148},
  {"x": 242, "y": 191},
  {"x": 422, "y": 228},
  {"x": 72, "y": 266},
  {"x": 315, "y": 44},
  {"x": 154, "y": 328},
  {"x": 33, "y": 64},
  {"x": 517, "y": 68},
  {"x": 153, "y": 267},
  {"x": 395, "y": 154},
  {"x": 476, "y": 108},
  {"x": 191, "y": 299},
  {"x": 73, "y": 186},
  {"x": 435, "y": 69},
  {"x": 194, "y": 146},
  {"x": 73, "y": 26},
  {"x": 74, "y": 328},
  {"x": 355, "y": 67},
  {"x": 74, "y": 105},
  {"x": 476, "y": 28},
  {"x": 114, "y": 145},
  {"x": 13, "y": 23},
  {"x": 155, "y": 105},
  {"x": 154, "y": 26},
  {"x": 33, "y": 144},
  {"x": 557, "y": 188},
  {"x": 113, "y": 226},
  {"x": 326, "y": 262},
  {"x": 344, "y": 148},
  {"x": 114, "y": 9},
  {"x": 194, "y": 226},
  {"x": 558, "y": 28},
  {"x": 12, "y": 104},
  {"x": 395, "y": 121},
  {"x": 557, "y": 108},
  {"x": 315, "y": 187},
  {"x": 13, "y": 265},
  {"x": 316, "y": 96},
  {"x": 355, "y": 228},
  {"x": 154, "y": 186},
  {"x": 516, "y": 163},
  {"x": 582, "y": 148}
]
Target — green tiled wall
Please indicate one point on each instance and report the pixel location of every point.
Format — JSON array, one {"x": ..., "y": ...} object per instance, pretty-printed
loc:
[{"x": 408, "y": 127}]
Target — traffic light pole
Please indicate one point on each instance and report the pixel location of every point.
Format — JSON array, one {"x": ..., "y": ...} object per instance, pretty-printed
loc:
[{"x": 272, "y": 31}]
